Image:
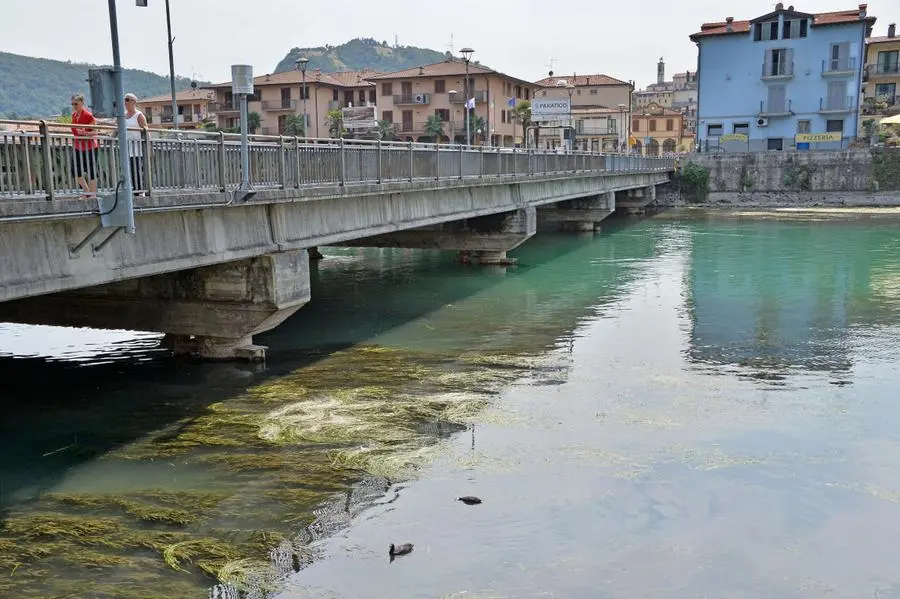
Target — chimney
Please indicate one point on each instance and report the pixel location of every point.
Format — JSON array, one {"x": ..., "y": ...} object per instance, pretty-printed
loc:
[
  {"x": 862, "y": 10},
  {"x": 779, "y": 6},
  {"x": 892, "y": 30},
  {"x": 421, "y": 70},
  {"x": 728, "y": 24}
]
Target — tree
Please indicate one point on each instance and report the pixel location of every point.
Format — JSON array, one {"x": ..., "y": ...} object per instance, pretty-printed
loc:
[
  {"x": 335, "y": 120},
  {"x": 386, "y": 130},
  {"x": 293, "y": 125},
  {"x": 253, "y": 121},
  {"x": 477, "y": 123},
  {"x": 434, "y": 128},
  {"x": 522, "y": 113}
]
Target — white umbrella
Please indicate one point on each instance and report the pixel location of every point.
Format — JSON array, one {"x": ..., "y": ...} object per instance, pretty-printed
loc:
[{"x": 890, "y": 120}]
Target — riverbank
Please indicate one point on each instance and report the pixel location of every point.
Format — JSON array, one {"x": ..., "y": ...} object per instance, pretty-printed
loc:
[{"x": 731, "y": 200}]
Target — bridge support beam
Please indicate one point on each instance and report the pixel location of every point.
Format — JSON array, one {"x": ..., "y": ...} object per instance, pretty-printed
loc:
[
  {"x": 581, "y": 215},
  {"x": 484, "y": 239},
  {"x": 636, "y": 201},
  {"x": 210, "y": 312}
]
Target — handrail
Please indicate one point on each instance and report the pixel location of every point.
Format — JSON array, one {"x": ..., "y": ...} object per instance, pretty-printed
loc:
[{"x": 39, "y": 159}]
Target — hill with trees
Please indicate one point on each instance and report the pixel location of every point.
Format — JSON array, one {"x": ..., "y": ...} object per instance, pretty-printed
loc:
[
  {"x": 359, "y": 54},
  {"x": 38, "y": 87}
]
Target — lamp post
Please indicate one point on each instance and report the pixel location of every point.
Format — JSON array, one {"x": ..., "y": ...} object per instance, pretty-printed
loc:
[
  {"x": 171, "y": 67},
  {"x": 571, "y": 144},
  {"x": 625, "y": 132},
  {"x": 467, "y": 56},
  {"x": 301, "y": 65}
]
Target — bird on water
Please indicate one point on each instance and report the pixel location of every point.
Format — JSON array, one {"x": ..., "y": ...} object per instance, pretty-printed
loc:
[
  {"x": 469, "y": 500},
  {"x": 400, "y": 549}
]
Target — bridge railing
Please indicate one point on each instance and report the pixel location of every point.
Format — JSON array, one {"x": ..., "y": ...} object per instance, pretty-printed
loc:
[{"x": 39, "y": 159}]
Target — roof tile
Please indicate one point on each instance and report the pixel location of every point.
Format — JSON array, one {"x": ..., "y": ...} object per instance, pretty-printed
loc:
[
  {"x": 581, "y": 80},
  {"x": 824, "y": 18}
]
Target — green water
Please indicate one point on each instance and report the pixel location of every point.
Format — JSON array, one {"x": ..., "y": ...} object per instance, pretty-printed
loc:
[{"x": 696, "y": 404}]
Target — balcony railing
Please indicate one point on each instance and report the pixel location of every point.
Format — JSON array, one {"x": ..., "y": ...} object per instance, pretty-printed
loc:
[
  {"x": 768, "y": 108},
  {"x": 880, "y": 104},
  {"x": 277, "y": 105},
  {"x": 842, "y": 104},
  {"x": 418, "y": 127},
  {"x": 182, "y": 118},
  {"x": 781, "y": 70},
  {"x": 480, "y": 95},
  {"x": 421, "y": 99},
  {"x": 595, "y": 130},
  {"x": 882, "y": 69},
  {"x": 222, "y": 107},
  {"x": 839, "y": 66}
]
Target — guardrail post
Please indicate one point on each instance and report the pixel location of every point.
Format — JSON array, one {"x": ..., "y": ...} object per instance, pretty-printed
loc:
[
  {"x": 481, "y": 160},
  {"x": 282, "y": 163},
  {"x": 460, "y": 162},
  {"x": 437, "y": 162},
  {"x": 530, "y": 155},
  {"x": 297, "y": 158},
  {"x": 146, "y": 165},
  {"x": 514, "y": 162},
  {"x": 223, "y": 182},
  {"x": 46, "y": 159},
  {"x": 379, "y": 157},
  {"x": 343, "y": 163},
  {"x": 411, "y": 161}
]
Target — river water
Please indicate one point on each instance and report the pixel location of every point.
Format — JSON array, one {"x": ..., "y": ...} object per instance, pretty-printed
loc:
[{"x": 695, "y": 404}]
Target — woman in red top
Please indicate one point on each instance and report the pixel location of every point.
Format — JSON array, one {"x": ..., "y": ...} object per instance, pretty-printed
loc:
[{"x": 84, "y": 161}]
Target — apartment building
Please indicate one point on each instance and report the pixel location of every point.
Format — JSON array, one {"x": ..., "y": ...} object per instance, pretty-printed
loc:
[
  {"x": 280, "y": 95},
  {"x": 601, "y": 109},
  {"x": 680, "y": 93},
  {"x": 657, "y": 129},
  {"x": 407, "y": 98},
  {"x": 781, "y": 79},
  {"x": 881, "y": 78},
  {"x": 193, "y": 109}
]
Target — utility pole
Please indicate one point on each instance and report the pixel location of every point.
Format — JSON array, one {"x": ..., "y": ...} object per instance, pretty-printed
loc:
[
  {"x": 467, "y": 56},
  {"x": 171, "y": 67},
  {"x": 124, "y": 166}
]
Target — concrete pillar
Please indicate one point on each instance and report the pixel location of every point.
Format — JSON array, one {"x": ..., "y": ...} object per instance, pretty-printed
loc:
[
  {"x": 210, "y": 312},
  {"x": 581, "y": 215},
  {"x": 314, "y": 253},
  {"x": 482, "y": 240}
]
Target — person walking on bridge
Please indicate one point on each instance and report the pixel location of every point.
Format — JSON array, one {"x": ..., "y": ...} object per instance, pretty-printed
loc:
[
  {"x": 136, "y": 123},
  {"x": 85, "y": 146}
]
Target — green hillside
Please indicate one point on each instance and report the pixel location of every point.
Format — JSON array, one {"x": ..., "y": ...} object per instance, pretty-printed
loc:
[
  {"x": 38, "y": 87},
  {"x": 361, "y": 54}
]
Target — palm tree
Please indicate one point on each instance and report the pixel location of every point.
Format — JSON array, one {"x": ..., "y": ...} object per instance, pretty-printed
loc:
[
  {"x": 293, "y": 126},
  {"x": 434, "y": 128},
  {"x": 386, "y": 130},
  {"x": 522, "y": 113},
  {"x": 335, "y": 120},
  {"x": 253, "y": 122}
]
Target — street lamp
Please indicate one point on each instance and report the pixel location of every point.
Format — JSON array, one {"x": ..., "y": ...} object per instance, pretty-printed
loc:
[
  {"x": 467, "y": 56},
  {"x": 625, "y": 131},
  {"x": 571, "y": 144},
  {"x": 301, "y": 66}
]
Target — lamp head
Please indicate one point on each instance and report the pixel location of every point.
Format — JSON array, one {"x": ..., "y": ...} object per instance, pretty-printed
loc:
[
  {"x": 301, "y": 63},
  {"x": 467, "y": 53}
]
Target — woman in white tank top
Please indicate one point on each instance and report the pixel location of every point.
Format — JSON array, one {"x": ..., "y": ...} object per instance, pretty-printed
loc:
[{"x": 135, "y": 121}]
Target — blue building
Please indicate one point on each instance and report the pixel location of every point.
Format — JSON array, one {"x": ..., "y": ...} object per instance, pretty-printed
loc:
[{"x": 765, "y": 81}]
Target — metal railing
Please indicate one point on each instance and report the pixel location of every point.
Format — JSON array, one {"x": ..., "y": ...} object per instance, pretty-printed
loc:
[
  {"x": 891, "y": 68},
  {"x": 781, "y": 70},
  {"x": 841, "y": 104},
  {"x": 219, "y": 107},
  {"x": 417, "y": 127},
  {"x": 404, "y": 99},
  {"x": 38, "y": 159},
  {"x": 460, "y": 98},
  {"x": 838, "y": 65},
  {"x": 878, "y": 105},
  {"x": 275, "y": 105},
  {"x": 768, "y": 108},
  {"x": 594, "y": 130}
]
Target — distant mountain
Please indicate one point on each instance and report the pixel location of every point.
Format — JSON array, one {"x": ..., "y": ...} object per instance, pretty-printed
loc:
[
  {"x": 360, "y": 54},
  {"x": 38, "y": 87}
]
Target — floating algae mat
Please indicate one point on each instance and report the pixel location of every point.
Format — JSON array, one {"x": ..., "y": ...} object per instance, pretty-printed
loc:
[{"x": 253, "y": 482}]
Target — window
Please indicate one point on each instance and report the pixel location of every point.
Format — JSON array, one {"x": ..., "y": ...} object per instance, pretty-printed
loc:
[
  {"x": 387, "y": 89},
  {"x": 837, "y": 96},
  {"x": 502, "y": 116},
  {"x": 888, "y": 62},
  {"x": 804, "y": 26},
  {"x": 840, "y": 57},
  {"x": 834, "y": 125},
  {"x": 670, "y": 124},
  {"x": 653, "y": 124},
  {"x": 775, "y": 143},
  {"x": 304, "y": 96},
  {"x": 773, "y": 30},
  {"x": 362, "y": 97},
  {"x": 757, "y": 32},
  {"x": 636, "y": 125},
  {"x": 779, "y": 62},
  {"x": 335, "y": 95},
  {"x": 594, "y": 92},
  {"x": 527, "y": 94},
  {"x": 886, "y": 91},
  {"x": 285, "y": 97},
  {"x": 804, "y": 126},
  {"x": 372, "y": 96},
  {"x": 786, "y": 30},
  {"x": 741, "y": 128},
  {"x": 388, "y": 115},
  {"x": 440, "y": 86},
  {"x": 443, "y": 114},
  {"x": 348, "y": 98},
  {"x": 713, "y": 130}
]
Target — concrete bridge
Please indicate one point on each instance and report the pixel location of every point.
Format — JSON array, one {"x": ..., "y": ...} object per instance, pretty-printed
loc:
[{"x": 211, "y": 271}]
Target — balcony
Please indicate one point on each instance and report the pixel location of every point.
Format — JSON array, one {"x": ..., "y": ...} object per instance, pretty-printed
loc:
[
  {"x": 280, "y": 105},
  {"x": 595, "y": 130},
  {"x": 417, "y": 99},
  {"x": 883, "y": 70},
  {"x": 836, "y": 105},
  {"x": 224, "y": 107},
  {"x": 838, "y": 67},
  {"x": 880, "y": 105},
  {"x": 480, "y": 96},
  {"x": 775, "y": 109},
  {"x": 780, "y": 71},
  {"x": 418, "y": 127}
]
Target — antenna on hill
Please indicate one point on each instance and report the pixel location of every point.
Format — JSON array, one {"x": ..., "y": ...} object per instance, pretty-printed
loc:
[
  {"x": 450, "y": 45},
  {"x": 549, "y": 66},
  {"x": 396, "y": 41}
]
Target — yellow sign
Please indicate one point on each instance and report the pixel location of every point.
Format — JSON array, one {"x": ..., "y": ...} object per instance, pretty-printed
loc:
[
  {"x": 733, "y": 137},
  {"x": 806, "y": 138}
]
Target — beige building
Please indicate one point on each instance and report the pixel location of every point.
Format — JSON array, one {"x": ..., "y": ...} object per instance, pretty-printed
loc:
[
  {"x": 407, "y": 98},
  {"x": 193, "y": 109},
  {"x": 279, "y": 95},
  {"x": 881, "y": 78},
  {"x": 659, "y": 130},
  {"x": 601, "y": 110}
]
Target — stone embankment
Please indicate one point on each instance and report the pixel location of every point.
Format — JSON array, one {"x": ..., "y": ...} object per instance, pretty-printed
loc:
[{"x": 859, "y": 177}]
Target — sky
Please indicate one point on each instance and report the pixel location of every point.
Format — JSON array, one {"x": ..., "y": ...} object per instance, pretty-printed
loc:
[{"x": 621, "y": 38}]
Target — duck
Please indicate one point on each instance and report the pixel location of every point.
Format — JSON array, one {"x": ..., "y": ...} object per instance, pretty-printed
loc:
[
  {"x": 400, "y": 549},
  {"x": 469, "y": 500}
]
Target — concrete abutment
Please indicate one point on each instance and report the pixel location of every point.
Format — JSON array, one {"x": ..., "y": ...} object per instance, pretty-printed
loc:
[{"x": 581, "y": 215}]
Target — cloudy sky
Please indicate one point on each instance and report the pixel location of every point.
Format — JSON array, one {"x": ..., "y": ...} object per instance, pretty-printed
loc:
[{"x": 622, "y": 38}]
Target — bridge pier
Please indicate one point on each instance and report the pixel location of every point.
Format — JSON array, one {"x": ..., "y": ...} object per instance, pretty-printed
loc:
[
  {"x": 582, "y": 215},
  {"x": 483, "y": 239},
  {"x": 211, "y": 312}
]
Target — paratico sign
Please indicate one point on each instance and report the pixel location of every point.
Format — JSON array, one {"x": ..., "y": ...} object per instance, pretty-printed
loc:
[{"x": 550, "y": 110}]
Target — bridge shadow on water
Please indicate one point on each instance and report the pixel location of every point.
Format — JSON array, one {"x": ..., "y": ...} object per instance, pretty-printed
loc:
[{"x": 59, "y": 413}]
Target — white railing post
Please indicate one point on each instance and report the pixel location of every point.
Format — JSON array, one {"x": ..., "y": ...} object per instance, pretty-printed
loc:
[
  {"x": 282, "y": 163},
  {"x": 411, "y": 162},
  {"x": 379, "y": 158},
  {"x": 343, "y": 163},
  {"x": 481, "y": 161},
  {"x": 297, "y": 158},
  {"x": 46, "y": 159},
  {"x": 223, "y": 181},
  {"x": 460, "y": 162}
]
